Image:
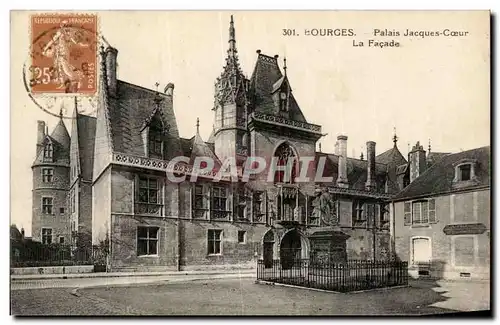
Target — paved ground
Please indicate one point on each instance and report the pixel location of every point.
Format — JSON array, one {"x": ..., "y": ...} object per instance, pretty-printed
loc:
[{"x": 241, "y": 296}]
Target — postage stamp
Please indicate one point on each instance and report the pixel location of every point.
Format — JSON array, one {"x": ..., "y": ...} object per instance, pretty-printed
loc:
[{"x": 63, "y": 53}]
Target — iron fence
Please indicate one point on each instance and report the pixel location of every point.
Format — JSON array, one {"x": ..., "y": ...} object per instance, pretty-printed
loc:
[
  {"x": 354, "y": 275},
  {"x": 41, "y": 255}
]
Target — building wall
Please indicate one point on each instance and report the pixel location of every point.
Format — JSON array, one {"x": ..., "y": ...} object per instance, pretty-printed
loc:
[
  {"x": 58, "y": 190},
  {"x": 101, "y": 212},
  {"x": 458, "y": 208},
  {"x": 85, "y": 213}
]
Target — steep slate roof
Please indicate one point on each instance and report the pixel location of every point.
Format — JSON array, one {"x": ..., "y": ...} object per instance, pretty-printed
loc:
[
  {"x": 86, "y": 138},
  {"x": 60, "y": 140},
  {"x": 433, "y": 157},
  {"x": 393, "y": 159},
  {"x": 391, "y": 156},
  {"x": 262, "y": 84},
  {"x": 129, "y": 111},
  {"x": 439, "y": 177},
  {"x": 357, "y": 171}
]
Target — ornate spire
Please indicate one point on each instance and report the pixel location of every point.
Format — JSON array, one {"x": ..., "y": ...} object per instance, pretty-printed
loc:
[
  {"x": 284, "y": 65},
  {"x": 231, "y": 83},
  {"x": 429, "y": 146},
  {"x": 232, "y": 39},
  {"x": 197, "y": 125}
]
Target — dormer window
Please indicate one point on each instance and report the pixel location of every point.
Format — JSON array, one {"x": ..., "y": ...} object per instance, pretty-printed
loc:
[
  {"x": 155, "y": 143},
  {"x": 283, "y": 101},
  {"x": 465, "y": 172},
  {"x": 48, "y": 151}
]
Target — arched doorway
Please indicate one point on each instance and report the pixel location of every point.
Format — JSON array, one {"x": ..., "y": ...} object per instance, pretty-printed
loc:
[
  {"x": 290, "y": 249},
  {"x": 268, "y": 247}
]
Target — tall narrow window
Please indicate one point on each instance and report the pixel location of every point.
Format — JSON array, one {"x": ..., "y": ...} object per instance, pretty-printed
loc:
[
  {"x": 47, "y": 205},
  {"x": 47, "y": 175},
  {"x": 147, "y": 240},
  {"x": 214, "y": 242},
  {"x": 285, "y": 160},
  {"x": 219, "y": 203},
  {"x": 200, "y": 202}
]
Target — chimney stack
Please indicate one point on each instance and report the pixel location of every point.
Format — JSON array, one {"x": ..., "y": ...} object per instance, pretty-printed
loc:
[
  {"x": 111, "y": 60},
  {"x": 40, "y": 132},
  {"x": 370, "y": 159},
  {"x": 418, "y": 161},
  {"x": 342, "y": 152}
]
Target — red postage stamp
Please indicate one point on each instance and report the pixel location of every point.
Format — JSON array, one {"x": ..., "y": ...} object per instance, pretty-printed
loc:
[{"x": 63, "y": 54}]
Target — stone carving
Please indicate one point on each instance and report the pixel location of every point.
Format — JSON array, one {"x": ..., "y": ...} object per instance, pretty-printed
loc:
[
  {"x": 284, "y": 121},
  {"x": 325, "y": 208}
]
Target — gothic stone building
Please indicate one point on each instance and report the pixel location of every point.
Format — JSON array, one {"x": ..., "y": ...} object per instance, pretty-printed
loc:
[{"x": 152, "y": 223}]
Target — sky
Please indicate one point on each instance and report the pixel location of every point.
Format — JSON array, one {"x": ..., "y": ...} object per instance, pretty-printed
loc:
[{"x": 433, "y": 88}]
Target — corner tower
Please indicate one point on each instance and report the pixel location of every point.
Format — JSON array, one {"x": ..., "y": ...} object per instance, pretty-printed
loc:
[{"x": 51, "y": 173}]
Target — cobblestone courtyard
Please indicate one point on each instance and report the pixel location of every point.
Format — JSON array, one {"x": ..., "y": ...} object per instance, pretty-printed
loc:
[{"x": 244, "y": 297}]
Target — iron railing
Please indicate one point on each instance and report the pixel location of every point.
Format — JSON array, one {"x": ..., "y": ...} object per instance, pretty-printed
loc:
[{"x": 354, "y": 275}]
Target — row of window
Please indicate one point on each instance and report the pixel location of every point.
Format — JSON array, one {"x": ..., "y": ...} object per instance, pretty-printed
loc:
[
  {"x": 420, "y": 212},
  {"x": 47, "y": 237},
  {"x": 147, "y": 240}
]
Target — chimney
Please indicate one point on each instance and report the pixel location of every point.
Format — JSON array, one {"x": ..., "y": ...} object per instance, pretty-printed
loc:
[
  {"x": 111, "y": 57},
  {"x": 342, "y": 152},
  {"x": 40, "y": 132},
  {"x": 418, "y": 161},
  {"x": 370, "y": 159}
]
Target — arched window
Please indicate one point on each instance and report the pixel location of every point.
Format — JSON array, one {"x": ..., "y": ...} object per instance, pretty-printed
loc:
[
  {"x": 285, "y": 157},
  {"x": 156, "y": 139}
]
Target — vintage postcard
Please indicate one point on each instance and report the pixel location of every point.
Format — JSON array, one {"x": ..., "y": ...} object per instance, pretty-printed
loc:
[{"x": 250, "y": 163}]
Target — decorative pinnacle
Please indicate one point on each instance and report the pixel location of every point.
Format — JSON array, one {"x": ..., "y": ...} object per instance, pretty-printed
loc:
[
  {"x": 429, "y": 145},
  {"x": 361, "y": 156},
  {"x": 395, "y": 137},
  {"x": 197, "y": 125},
  {"x": 156, "y": 85},
  {"x": 284, "y": 64},
  {"x": 320, "y": 147}
]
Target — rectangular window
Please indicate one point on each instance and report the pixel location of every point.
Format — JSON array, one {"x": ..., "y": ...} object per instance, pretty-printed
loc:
[
  {"x": 147, "y": 241},
  {"x": 46, "y": 236},
  {"x": 420, "y": 212},
  {"x": 61, "y": 240},
  {"x": 61, "y": 210},
  {"x": 242, "y": 236},
  {"x": 407, "y": 213},
  {"x": 242, "y": 204},
  {"x": 465, "y": 172},
  {"x": 219, "y": 203},
  {"x": 155, "y": 143},
  {"x": 149, "y": 199},
  {"x": 47, "y": 175},
  {"x": 48, "y": 151},
  {"x": 214, "y": 242},
  {"x": 47, "y": 205}
]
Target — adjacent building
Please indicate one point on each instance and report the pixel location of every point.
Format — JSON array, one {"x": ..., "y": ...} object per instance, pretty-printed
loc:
[{"x": 442, "y": 218}]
